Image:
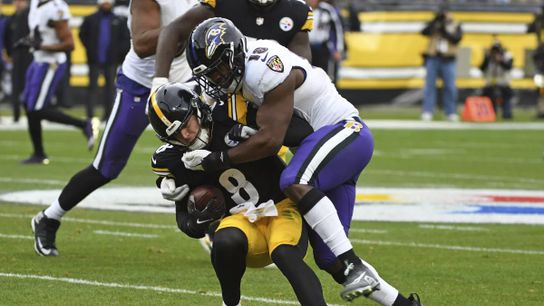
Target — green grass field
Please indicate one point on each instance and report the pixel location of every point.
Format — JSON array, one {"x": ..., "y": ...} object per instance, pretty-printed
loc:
[{"x": 128, "y": 258}]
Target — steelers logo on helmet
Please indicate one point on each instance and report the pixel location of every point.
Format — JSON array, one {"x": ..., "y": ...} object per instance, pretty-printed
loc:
[
  {"x": 216, "y": 52},
  {"x": 170, "y": 108}
]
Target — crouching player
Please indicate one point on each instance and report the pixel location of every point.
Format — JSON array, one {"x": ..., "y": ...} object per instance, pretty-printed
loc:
[{"x": 263, "y": 226}]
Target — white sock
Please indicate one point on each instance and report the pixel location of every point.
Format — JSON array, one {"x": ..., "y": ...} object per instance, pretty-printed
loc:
[
  {"x": 54, "y": 211},
  {"x": 323, "y": 219},
  {"x": 387, "y": 294}
]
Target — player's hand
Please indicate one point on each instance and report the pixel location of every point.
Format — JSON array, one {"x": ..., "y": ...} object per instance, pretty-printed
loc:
[
  {"x": 170, "y": 192},
  {"x": 28, "y": 42},
  {"x": 209, "y": 214},
  {"x": 193, "y": 159},
  {"x": 240, "y": 132}
]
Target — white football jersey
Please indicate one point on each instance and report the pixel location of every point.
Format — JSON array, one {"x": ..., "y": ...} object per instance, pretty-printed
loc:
[
  {"x": 41, "y": 12},
  {"x": 268, "y": 64},
  {"x": 142, "y": 70}
]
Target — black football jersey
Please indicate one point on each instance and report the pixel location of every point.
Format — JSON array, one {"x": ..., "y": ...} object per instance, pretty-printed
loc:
[
  {"x": 256, "y": 181},
  {"x": 287, "y": 18}
]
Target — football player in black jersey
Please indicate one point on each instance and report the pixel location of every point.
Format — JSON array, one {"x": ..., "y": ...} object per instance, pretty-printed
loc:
[
  {"x": 265, "y": 226},
  {"x": 285, "y": 21}
]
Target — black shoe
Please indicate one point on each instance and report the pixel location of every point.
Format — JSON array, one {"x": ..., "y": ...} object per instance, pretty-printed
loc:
[
  {"x": 360, "y": 281},
  {"x": 414, "y": 298},
  {"x": 45, "y": 231},
  {"x": 36, "y": 160},
  {"x": 91, "y": 132}
]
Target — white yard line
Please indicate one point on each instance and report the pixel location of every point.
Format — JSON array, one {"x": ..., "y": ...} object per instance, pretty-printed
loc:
[
  {"x": 453, "y": 228},
  {"x": 447, "y": 247},
  {"x": 371, "y": 231},
  {"x": 141, "y": 287},
  {"x": 16, "y": 237},
  {"x": 124, "y": 234},
  {"x": 102, "y": 222}
]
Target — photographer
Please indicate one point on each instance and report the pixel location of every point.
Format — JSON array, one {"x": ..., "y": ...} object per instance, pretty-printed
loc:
[
  {"x": 444, "y": 36},
  {"x": 496, "y": 68}
]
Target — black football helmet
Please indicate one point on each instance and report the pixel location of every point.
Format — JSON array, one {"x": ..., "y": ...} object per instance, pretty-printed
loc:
[
  {"x": 216, "y": 53},
  {"x": 169, "y": 109}
]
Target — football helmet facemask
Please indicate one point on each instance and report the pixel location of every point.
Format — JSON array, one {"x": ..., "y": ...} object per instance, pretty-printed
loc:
[
  {"x": 169, "y": 109},
  {"x": 216, "y": 53}
]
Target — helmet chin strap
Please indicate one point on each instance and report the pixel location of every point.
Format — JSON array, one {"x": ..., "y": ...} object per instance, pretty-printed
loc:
[{"x": 201, "y": 140}]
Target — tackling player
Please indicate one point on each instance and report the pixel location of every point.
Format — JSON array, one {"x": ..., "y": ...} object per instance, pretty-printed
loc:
[
  {"x": 50, "y": 38},
  {"x": 286, "y": 21},
  {"x": 127, "y": 120},
  {"x": 323, "y": 172},
  {"x": 264, "y": 226}
]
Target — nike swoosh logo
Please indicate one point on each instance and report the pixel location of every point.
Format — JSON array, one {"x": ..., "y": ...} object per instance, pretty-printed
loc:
[
  {"x": 153, "y": 160},
  {"x": 198, "y": 221},
  {"x": 44, "y": 251},
  {"x": 265, "y": 57}
]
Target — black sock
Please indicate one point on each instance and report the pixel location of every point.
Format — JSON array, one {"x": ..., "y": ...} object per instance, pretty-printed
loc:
[
  {"x": 229, "y": 262},
  {"x": 336, "y": 270},
  {"x": 54, "y": 115},
  {"x": 81, "y": 185},
  {"x": 401, "y": 301},
  {"x": 35, "y": 131},
  {"x": 290, "y": 261}
]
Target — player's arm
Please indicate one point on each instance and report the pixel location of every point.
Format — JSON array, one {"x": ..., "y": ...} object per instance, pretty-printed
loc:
[
  {"x": 173, "y": 37},
  {"x": 66, "y": 41},
  {"x": 301, "y": 45},
  {"x": 273, "y": 118},
  {"x": 145, "y": 26}
]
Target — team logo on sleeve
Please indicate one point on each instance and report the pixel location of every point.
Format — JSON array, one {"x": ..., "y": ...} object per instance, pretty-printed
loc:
[
  {"x": 275, "y": 64},
  {"x": 286, "y": 24},
  {"x": 260, "y": 50}
]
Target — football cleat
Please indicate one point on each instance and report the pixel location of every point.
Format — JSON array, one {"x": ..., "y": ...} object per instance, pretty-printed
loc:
[
  {"x": 414, "y": 298},
  {"x": 45, "y": 231},
  {"x": 360, "y": 281},
  {"x": 36, "y": 160},
  {"x": 91, "y": 132}
]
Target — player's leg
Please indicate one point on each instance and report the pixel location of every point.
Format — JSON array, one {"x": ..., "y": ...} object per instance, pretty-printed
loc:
[
  {"x": 344, "y": 149},
  {"x": 33, "y": 79},
  {"x": 236, "y": 244},
  {"x": 288, "y": 242},
  {"x": 126, "y": 123}
]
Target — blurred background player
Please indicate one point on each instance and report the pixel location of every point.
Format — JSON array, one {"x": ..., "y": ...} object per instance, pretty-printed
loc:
[
  {"x": 285, "y": 21},
  {"x": 50, "y": 38},
  {"x": 20, "y": 55},
  {"x": 107, "y": 40},
  {"x": 537, "y": 27},
  {"x": 264, "y": 227},
  {"x": 496, "y": 67},
  {"x": 127, "y": 120},
  {"x": 444, "y": 36},
  {"x": 322, "y": 174},
  {"x": 327, "y": 38}
]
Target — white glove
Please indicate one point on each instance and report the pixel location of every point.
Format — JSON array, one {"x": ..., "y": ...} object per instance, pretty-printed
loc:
[
  {"x": 193, "y": 160},
  {"x": 169, "y": 191}
]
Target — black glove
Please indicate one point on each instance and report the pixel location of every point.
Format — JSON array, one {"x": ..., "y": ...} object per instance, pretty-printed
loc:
[
  {"x": 210, "y": 213},
  {"x": 240, "y": 132},
  {"x": 28, "y": 42},
  {"x": 216, "y": 161}
]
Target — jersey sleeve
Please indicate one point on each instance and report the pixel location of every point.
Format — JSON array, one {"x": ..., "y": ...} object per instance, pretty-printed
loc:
[
  {"x": 304, "y": 16},
  {"x": 59, "y": 11},
  {"x": 269, "y": 65},
  {"x": 210, "y": 3}
]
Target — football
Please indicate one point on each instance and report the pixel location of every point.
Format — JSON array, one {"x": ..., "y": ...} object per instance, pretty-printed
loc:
[{"x": 203, "y": 194}]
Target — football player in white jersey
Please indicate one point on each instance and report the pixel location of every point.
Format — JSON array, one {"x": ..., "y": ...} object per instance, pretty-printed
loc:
[
  {"x": 50, "y": 38},
  {"x": 127, "y": 120},
  {"x": 322, "y": 174}
]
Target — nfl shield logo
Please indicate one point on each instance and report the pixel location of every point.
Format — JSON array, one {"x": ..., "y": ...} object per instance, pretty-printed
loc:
[{"x": 259, "y": 21}]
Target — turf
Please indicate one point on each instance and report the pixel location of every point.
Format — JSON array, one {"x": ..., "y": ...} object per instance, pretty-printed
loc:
[{"x": 473, "y": 264}]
